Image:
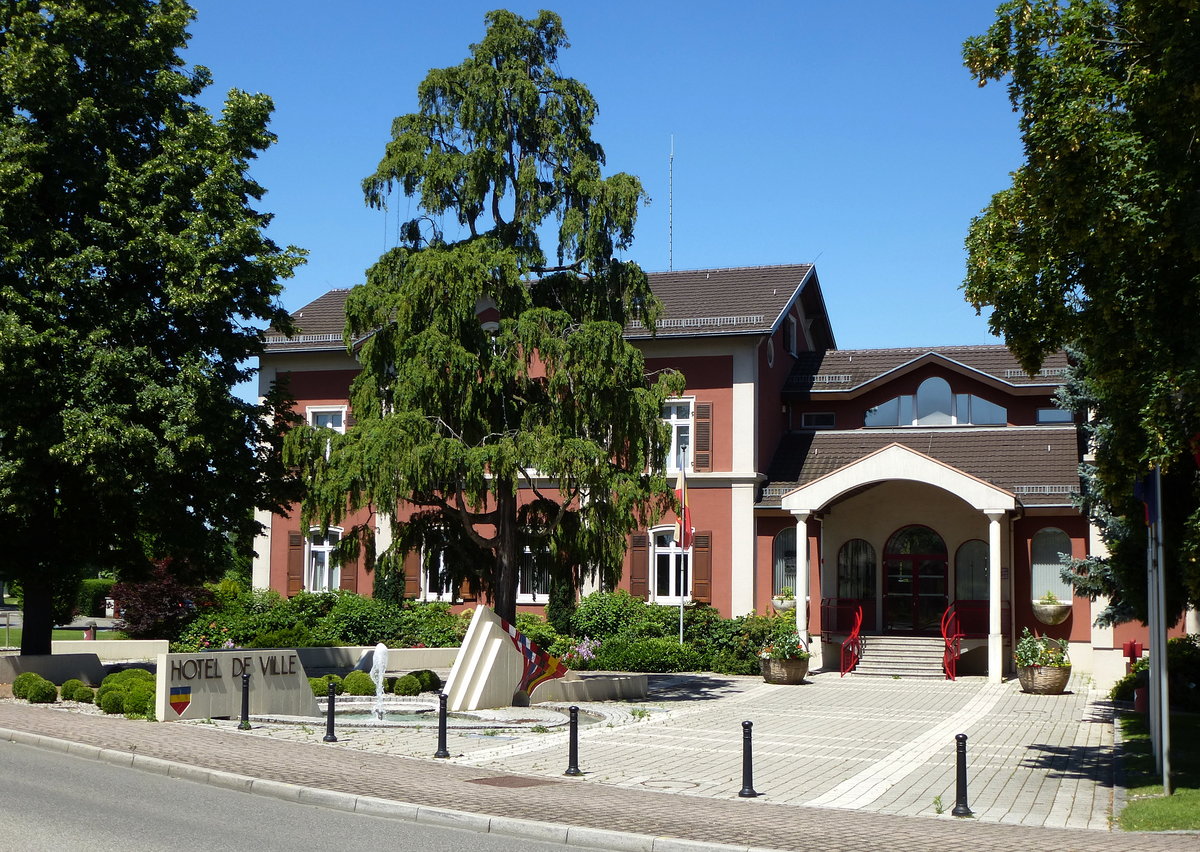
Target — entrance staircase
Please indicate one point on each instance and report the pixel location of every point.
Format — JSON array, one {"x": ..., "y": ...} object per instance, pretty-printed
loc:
[{"x": 903, "y": 656}]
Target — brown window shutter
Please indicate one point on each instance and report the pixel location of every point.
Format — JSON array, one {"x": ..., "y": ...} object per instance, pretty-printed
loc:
[
  {"x": 349, "y": 418},
  {"x": 412, "y": 575},
  {"x": 465, "y": 592},
  {"x": 639, "y": 566},
  {"x": 702, "y": 453},
  {"x": 295, "y": 563},
  {"x": 349, "y": 578},
  {"x": 702, "y": 567}
]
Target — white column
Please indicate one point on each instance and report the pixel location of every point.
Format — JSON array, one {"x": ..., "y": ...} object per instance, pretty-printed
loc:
[
  {"x": 995, "y": 632},
  {"x": 802, "y": 584}
]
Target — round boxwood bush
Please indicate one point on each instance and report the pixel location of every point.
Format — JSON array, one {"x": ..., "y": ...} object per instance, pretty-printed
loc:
[
  {"x": 139, "y": 701},
  {"x": 22, "y": 682},
  {"x": 429, "y": 680},
  {"x": 407, "y": 685},
  {"x": 126, "y": 676},
  {"x": 84, "y": 694},
  {"x": 67, "y": 690},
  {"x": 358, "y": 683},
  {"x": 111, "y": 700},
  {"x": 41, "y": 691}
]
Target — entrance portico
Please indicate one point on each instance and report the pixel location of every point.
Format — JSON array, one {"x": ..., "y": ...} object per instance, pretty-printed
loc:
[{"x": 927, "y": 520}]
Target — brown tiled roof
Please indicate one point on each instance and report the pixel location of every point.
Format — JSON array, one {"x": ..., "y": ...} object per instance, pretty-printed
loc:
[
  {"x": 739, "y": 300},
  {"x": 1039, "y": 464},
  {"x": 847, "y": 369},
  {"x": 319, "y": 325}
]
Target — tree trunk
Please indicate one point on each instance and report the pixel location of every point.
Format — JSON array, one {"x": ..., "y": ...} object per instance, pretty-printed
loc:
[
  {"x": 504, "y": 582},
  {"x": 38, "y": 617}
]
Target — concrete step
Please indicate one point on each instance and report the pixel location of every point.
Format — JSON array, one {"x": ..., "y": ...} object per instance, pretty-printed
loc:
[{"x": 901, "y": 656}]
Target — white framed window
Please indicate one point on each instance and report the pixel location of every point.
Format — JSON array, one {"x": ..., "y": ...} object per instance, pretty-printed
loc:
[
  {"x": 934, "y": 405},
  {"x": 818, "y": 420},
  {"x": 436, "y": 582},
  {"x": 678, "y": 416},
  {"x": 1054, "y": 415},
  {"x": 533, "y": 578},
  {"x": 320, "y": 573},
  {"x": 1049, "y": 546},
  {"x": 670, "y": 568},
  {"x": 784, "y": 553},
  {"x": 327, "y": 417}
]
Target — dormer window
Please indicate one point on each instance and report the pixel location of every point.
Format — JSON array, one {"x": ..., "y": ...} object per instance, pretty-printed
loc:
[
  {"x": 789, "y": 336},
  {"x": 935, "y": 405}
]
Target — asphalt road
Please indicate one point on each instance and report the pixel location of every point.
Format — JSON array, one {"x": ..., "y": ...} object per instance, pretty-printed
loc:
[{"x": 50, "y": 802}]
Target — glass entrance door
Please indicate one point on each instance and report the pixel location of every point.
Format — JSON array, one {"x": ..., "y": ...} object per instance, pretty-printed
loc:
[{"x": 914, "y": 583}]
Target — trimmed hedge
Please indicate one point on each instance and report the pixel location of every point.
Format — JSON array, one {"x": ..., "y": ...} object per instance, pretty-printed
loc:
[
  {"x": 22, "y": 682},
  {"x": 41, "y": 691},
  {"x": 651, "y": 654},
  {"x": 358, "y": 683},
  {"x": 91, "y": 597},
  {"x": 407, "y": 685}
]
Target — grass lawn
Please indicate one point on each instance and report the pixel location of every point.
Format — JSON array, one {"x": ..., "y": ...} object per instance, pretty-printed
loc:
[
  {"x": 11, "y": 638},
  {"x": 1147, "y": 809}
]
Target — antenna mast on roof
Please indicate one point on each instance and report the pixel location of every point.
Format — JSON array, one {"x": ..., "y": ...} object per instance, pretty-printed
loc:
[{"x": 671, "y": 207}]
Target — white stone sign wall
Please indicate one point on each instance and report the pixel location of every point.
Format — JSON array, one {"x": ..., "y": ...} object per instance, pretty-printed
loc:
[{"x": 208, "y": 686}]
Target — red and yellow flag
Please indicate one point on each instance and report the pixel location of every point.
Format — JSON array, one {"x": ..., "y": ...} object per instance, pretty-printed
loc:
[{"x": 683, "y": 524}]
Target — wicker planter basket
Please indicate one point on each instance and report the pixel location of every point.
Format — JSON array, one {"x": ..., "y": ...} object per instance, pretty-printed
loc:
[
  {"x": 784, "y": 671},
  {"x": 1044, "y": 680}
]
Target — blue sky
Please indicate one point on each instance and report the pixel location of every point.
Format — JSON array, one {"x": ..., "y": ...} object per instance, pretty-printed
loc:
[{"x": 845, "y": 133}]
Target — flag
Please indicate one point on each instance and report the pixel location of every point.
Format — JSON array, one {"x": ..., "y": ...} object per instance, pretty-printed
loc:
[
  {"x": 1145, "y": 490},
  {"x": 539, "y": 666},
  {"x": 683, "y": 524}
]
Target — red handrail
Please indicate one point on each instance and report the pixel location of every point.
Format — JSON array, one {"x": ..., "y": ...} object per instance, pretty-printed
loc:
[
  {"x": 952, "y": 640},
  {"x": 852, "y": 648}
]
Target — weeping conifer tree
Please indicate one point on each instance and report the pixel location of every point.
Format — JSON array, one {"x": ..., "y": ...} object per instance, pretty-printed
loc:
[{"x": 500, "y": 414}]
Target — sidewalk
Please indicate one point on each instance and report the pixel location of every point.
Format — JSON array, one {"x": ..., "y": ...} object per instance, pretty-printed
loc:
[{"x": 850, "y": 763}]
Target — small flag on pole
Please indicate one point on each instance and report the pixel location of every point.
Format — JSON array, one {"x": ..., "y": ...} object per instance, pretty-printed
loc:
[
  {"x": 1144, "y": 489},
  {"x": 683, "y": 524}
]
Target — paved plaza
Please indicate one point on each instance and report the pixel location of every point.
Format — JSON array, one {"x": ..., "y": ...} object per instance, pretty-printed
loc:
[{"x": 839, "y": 763}]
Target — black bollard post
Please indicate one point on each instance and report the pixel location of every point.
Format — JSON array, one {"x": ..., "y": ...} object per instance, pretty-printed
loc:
[
  {"x": 442, "y": 751},
  {"x": 747, "y": 791},
  {"x": 330, "y": 737},
  {"x": 244, "y": 725},
  {"x": 573, "y": 750},
  {"x": 960, "y": 799}
]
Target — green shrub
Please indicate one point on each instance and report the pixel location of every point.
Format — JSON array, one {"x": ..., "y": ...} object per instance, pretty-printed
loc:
[
  {"x": 91, "y": 597},
  {"x": 537, "y": 630},
  {"x": 83, "y": 694},
  {"x": 41, "y": 691},
  {"x": 729, "y": 662},
  {"x": 111, "y": 700},
  {"x": 127, "y": 676},
  {"x": 139, "y": 701},
  {"x": 560, "y": 606},
  {"x": 431, "y": 624},
  {"x": 355, "y": 620},
  {"x": 68, "y": 687},
  {"x": 296, "y": 636},
  {"x": 358, "y": 683},
  {"x": 652, "y": 654},
  {"x": 604, "y": 614},
  {"x": 407, "y": 685},
  {"x": 429, "y": 680},
  {"x": 22, "y": 682}
]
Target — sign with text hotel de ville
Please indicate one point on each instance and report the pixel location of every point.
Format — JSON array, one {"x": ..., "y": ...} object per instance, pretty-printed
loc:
[{"x": 209, "y": 686}]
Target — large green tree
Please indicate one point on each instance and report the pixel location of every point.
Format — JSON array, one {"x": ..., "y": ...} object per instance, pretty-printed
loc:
[
  {"x": 1096, "y": 245},
  {"x": 134, "y": 279},
  {"x": 499, "y": 409}
]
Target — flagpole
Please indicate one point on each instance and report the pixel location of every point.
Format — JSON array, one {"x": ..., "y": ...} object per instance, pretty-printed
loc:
[{"x": 1160, "y": 638}]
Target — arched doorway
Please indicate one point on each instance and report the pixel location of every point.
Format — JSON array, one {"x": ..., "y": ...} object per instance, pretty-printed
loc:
[{"x": 914, "y": 582}]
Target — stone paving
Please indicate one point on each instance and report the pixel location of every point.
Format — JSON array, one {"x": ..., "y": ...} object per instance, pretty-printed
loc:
[{"x": 840, "y": 763}]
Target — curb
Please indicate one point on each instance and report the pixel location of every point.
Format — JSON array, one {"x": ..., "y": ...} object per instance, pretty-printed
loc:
[{"x": 522, "y": 829}]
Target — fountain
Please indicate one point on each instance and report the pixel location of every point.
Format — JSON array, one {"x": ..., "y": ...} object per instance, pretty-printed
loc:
[{"x": 378, "y": 673}]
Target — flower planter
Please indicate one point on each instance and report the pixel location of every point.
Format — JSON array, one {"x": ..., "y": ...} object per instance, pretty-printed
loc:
[
  {"x": 784, "y": 671},
  {"x": 1044, "y": 680},
  {"x": 782, "y": 603},
  {"x": 1051, "y": 613}
]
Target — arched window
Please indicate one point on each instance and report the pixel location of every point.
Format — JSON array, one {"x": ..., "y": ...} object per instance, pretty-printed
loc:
[
  {"x": 971, "y": 571},
  {"x": 856, "y": 570},
  {"x": 916, "y": 540},
  {"x": 1049, "y": 545},
  {"x": 784, "y": 561},
  {"x": 321, "y": 571},
  {"x": 934, "y": 402}
]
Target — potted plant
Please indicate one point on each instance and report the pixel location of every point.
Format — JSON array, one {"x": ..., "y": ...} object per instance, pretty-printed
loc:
[
  {"x": 785, "y": 658},
  {"x": 1043, "y": 666},
  {"x": 1048, "y": 609},
  {"x": 786, "y": 599}
]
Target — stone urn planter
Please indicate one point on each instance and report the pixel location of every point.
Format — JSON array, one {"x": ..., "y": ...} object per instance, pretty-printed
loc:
[
  {"x": 1051, "y": 613},
  {"x": 1044, "y": 680},
  {"x": 783, "y": 603},
  {"x": 784, "y": 671}
]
